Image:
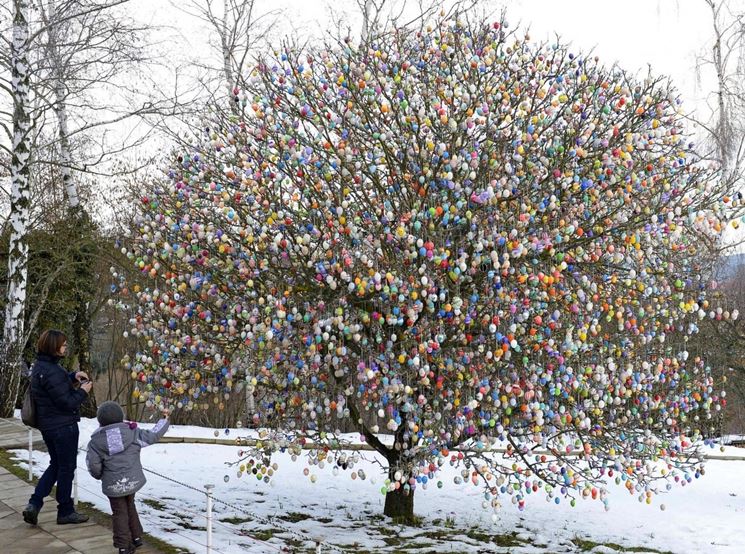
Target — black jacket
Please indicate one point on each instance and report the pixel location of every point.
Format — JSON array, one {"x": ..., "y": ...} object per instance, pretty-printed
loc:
[{"x": 57, "y": 402}]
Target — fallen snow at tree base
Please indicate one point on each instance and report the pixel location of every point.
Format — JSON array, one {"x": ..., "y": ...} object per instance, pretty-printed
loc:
[{"x": 292, "y": 512}]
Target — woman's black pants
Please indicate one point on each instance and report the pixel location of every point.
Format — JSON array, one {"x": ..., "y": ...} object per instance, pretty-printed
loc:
[{"x": 62, "y": 444}]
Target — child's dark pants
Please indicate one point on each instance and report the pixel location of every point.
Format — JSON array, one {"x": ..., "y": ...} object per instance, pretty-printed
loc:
[{"x": 126, "y": 523}]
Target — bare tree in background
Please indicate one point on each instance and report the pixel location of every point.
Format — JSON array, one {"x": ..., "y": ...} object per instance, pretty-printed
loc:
[
  {"x": 725, "y": 128},
  {"x": 373, "y": 14},
  {"x": 69, "y": 49},
  {"x": 238, "y": 27},
  {"x": 380, "y": 16}
]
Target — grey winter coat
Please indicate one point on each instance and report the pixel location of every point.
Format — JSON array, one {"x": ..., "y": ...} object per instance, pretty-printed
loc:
[{"x": 114, "y": 456}]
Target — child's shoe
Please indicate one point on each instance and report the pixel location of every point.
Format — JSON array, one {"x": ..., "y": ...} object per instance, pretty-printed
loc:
[
  {"x": 137, "y": 542},
  {"x": 129, "y": 550}
]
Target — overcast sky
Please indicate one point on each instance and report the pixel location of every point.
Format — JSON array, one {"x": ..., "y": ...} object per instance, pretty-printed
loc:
[
  {"x": 664, "y": 34},
  {"x": 667, "y": 35}
]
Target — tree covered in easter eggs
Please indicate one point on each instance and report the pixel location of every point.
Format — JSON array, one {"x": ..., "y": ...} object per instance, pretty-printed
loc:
[{"x": 473, "y": 249}]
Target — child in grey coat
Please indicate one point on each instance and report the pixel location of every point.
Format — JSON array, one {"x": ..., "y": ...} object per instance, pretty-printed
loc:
[{"x": 114, "y": 458}]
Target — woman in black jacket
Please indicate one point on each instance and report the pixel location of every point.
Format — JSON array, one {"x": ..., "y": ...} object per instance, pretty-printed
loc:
[{"x": 58, "y": 401}]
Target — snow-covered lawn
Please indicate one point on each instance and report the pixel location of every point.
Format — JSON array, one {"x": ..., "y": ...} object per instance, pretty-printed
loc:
[{"x": 292, "y": 512}]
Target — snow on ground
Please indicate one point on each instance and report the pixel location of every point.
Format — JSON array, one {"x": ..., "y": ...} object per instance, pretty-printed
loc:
[{"x": 292, "y": 512}]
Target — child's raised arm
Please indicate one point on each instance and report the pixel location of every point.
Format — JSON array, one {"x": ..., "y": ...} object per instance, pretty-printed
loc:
[{"x": 146, "y": 438}]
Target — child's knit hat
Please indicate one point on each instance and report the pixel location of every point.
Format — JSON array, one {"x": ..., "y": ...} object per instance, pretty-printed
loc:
[{"x": 109, "y": 412}]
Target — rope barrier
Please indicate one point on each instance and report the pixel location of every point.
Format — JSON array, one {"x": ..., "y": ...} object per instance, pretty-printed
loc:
[
  {"x": 201, "y": 514},
  {"x": 102, "y": 497},
  {"x": 266, "y": 520},
  {"x": 141, "y": 494}
]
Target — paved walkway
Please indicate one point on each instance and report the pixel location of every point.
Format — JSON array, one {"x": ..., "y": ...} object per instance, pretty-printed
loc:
[
  {"x": 17, "y": 537},
  {"x": 14, "y": 434}
]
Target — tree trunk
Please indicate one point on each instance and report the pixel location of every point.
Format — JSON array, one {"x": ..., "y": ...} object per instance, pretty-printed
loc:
[
  {"x": 12, "y": 347},
  {"x": 84, "y": 234},
  {"x": 81, "y": 330},
  {"x": 724, "y": 139},
  {"x": 398, "y": 504},
  {"x": 10, "y": 378},
  {"x": 227, "y": 66},
  {"x": 60, "y": 105},
  {"x": 81, "y": 336},
  {"x": 250, "y": 407},
  {"x": 71, "y": 190},
  {"x": 89, "y": 407},
  {"x": 81, "y": 222}
]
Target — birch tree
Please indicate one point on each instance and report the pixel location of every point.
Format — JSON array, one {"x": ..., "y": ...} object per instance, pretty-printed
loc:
[
  {"x": 57, "y": 66},
  {"x": 67, "y": 49},
  {"x": 10, "y": 349},
  {"x": 724, "y": 129}
]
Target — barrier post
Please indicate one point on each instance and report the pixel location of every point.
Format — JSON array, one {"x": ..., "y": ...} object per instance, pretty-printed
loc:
[
  {"x": 30, "y": 454},
  {"x": 209, "y": 517}
]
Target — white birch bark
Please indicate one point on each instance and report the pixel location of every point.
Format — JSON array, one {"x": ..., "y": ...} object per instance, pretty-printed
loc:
[
  {"x": 60, "y": 104},
  {"x": 65, "y": 156},
  {"x": 19, "y": 211}
]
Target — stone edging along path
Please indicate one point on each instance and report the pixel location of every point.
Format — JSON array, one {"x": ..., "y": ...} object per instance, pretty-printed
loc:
[{"x": 17, "y": 537}]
